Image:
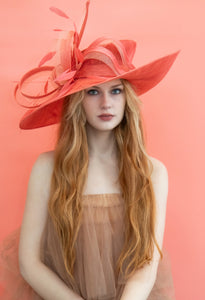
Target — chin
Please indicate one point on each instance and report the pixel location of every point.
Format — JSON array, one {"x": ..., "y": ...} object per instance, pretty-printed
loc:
[{"x": 103, "y": 127}]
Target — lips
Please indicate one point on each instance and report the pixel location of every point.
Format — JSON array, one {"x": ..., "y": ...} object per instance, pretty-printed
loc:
[{"x": 105, "y": 115}]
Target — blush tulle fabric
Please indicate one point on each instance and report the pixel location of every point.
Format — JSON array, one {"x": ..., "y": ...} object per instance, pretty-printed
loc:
[{"x": 98, "y": 246}]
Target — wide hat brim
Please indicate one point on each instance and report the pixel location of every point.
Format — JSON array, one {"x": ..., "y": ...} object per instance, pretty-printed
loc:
[{"x": 142, "y": 79}]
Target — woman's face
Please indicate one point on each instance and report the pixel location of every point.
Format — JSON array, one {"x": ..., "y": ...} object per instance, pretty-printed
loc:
[{"x": 104, "y": 105}]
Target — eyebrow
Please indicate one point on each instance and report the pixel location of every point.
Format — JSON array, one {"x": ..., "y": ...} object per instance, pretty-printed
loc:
[{"x": 113, "y": 86}]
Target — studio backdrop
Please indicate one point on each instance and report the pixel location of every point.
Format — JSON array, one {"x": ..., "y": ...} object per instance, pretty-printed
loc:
[{"x": 173, "y": 112}]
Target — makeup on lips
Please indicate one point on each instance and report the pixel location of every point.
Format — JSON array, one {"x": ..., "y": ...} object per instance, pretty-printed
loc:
[{"x": 106, "y": 117}]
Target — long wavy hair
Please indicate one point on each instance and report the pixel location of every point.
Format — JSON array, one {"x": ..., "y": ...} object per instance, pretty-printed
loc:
[{"x": 70, "y": 173}]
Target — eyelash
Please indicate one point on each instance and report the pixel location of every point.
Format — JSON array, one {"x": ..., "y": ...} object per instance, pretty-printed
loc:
[
  {"x": 92, "y": 92},
  {"x": 96, "y": 92},
  {"x": 117, "y": 89}
]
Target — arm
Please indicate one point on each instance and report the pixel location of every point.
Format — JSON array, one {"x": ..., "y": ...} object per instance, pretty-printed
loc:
[
  {"x": 139, "y": 286},
  {"x": 43, "y": 280}
]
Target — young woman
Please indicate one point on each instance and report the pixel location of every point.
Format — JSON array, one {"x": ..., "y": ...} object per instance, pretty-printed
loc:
[{"x": 95, "y": 211}]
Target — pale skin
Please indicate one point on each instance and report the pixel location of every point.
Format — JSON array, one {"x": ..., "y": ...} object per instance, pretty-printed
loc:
[{"x": 102, "y": 173}]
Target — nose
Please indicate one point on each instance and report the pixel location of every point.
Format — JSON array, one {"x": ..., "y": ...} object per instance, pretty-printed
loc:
[{"x": 105, "y": 101}]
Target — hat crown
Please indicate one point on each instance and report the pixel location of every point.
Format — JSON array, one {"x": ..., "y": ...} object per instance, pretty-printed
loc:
[{"x": 104, "y": 57}]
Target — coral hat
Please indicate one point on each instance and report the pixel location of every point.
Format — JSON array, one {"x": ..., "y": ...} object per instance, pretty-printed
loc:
[{"x": 44, "y": 88}]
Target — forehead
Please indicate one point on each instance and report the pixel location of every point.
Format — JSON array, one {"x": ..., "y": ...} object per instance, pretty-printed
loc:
[{"x": 109, "y": 84}]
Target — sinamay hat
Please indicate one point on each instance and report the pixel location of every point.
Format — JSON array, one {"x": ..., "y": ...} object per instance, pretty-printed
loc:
[{"x": 44, "y": 88}]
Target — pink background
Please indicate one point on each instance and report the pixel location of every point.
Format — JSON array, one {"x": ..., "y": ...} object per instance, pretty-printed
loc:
[{"x": 173, "y": 111}]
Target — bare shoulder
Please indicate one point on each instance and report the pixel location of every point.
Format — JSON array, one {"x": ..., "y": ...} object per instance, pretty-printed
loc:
[
  {"x": 41, "y": 173},
  {"x": 158, "y": 169},
  {"x": 159, "y": 177},
  {"x": 45, "y": 161},
  {"x": 43, "y": 165}
]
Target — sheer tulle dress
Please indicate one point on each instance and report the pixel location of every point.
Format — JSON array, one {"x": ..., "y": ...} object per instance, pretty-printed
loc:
[{"x": 98, "y": 246}]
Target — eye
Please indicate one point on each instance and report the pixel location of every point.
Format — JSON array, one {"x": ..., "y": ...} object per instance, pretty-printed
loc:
[
  {"x": 116, "y": 91},
  {"x": 92, "y": 92}
]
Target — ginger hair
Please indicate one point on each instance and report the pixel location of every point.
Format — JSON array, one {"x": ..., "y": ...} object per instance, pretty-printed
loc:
[{"x": 70, "y": 173}]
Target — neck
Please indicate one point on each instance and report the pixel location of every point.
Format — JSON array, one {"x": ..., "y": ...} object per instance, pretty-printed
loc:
[{"x": 101, "y": 144}]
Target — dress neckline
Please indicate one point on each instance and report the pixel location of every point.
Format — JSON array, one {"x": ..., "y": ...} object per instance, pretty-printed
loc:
[
  {"x": 102, "y": 200},
  {"x": 102, "y": 195}
]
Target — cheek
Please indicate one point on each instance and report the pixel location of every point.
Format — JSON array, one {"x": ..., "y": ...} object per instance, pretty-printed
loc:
[
  {"x": 88, "y": 108},
  {"x": 122, "y": 106}
]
